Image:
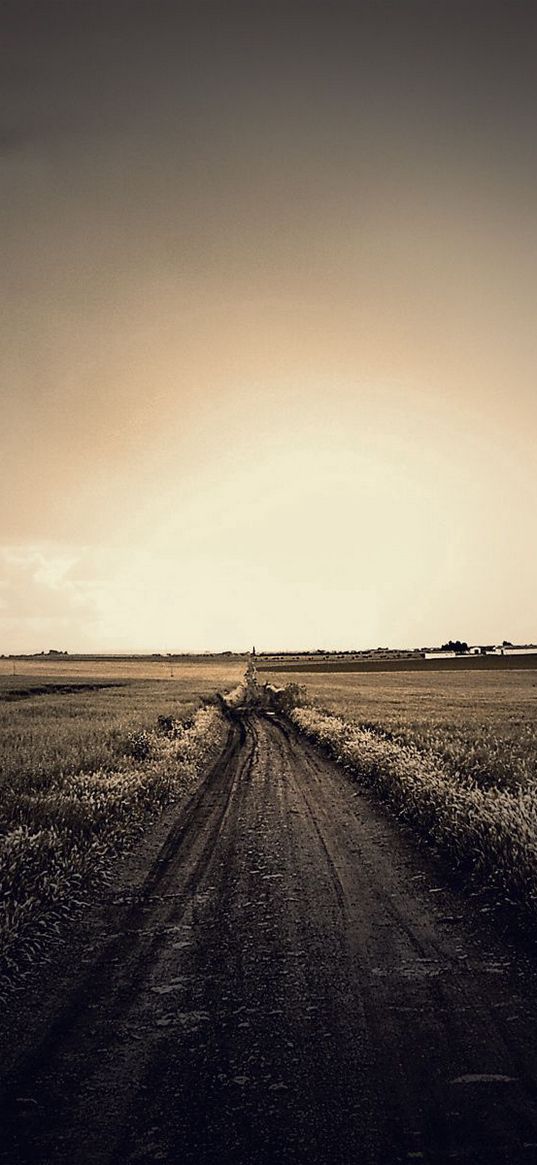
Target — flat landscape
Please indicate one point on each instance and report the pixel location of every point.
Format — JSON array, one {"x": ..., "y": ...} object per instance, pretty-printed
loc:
[
  {"x": 265, "y": 963},
  {"x": 76, "y": 715},
  {"x": 484, "y": 723},
  {"x": 83, "y": 768},
  {"x": 269, "y": 337},
  {"x": 411, "y": 662}
]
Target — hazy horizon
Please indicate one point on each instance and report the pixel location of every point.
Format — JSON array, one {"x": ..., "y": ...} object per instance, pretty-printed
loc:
[
  {"x": 268, "y": 324},
  {"x": 178, "y": 652}
]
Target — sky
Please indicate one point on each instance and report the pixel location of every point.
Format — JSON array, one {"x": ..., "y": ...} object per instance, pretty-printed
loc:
[{"x": 268, "y": 278}]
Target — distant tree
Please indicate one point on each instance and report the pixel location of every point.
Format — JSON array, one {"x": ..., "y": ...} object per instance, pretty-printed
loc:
[
  {"x": 456, "y": 645},
  {"x": 507, "y": 643}
]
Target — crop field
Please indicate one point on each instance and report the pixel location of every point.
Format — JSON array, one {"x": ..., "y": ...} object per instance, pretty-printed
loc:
[
  {"x": 83, "y": 766},
  {"x": 455, "y": 756},
  {"x": 86, "y": 763},
  {"x": 482, "y": 724},
  {"x": 64, "y": 717}
]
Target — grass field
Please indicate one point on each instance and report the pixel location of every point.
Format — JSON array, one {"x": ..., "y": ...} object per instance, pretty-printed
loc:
[
  {"x": 46, "y": 730},
  {"x": 482, "y": 724},
  {"x": 83, "y": 767},
  {"x": 453, "y": 755}
]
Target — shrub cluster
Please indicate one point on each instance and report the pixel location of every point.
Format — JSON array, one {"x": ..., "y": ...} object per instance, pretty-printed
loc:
[
  {"x": 488, "y": 832},
  {"x": 236, "y": 697},
  {"x": 57, "y": 838}
]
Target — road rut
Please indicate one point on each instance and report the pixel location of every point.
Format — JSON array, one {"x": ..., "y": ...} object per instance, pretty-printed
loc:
[{"x": 292, "y": 982}]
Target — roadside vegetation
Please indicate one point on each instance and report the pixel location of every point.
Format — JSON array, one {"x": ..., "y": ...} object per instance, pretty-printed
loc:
[
  {"x": 482, "y": 725},
  {"x": 81, "y": 774},
  {"x": 88, "y": 760},
  {"x": 458, "y": 762},
  {"x": 47, "y": 731}
]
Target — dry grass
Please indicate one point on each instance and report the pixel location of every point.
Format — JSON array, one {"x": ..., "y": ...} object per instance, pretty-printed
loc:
[
  {"x": 81, "y": 668},
  {"x": 483, "y": 725},
  {"x": 58, "y": 732},
  {"x": 491, "y": 833},
  {"x": 82, "y": 773},
  {"x": 454, "y": 756}
]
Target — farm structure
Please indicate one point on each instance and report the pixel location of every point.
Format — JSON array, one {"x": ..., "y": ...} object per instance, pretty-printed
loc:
[{"x": 489, "y": 649}]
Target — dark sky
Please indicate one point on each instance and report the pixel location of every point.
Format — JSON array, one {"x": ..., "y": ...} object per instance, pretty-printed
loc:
[{"x": 269, "y": 281}]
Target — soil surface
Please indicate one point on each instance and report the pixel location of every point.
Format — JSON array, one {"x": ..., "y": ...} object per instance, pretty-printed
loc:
[{"x": 279, "y": 976}]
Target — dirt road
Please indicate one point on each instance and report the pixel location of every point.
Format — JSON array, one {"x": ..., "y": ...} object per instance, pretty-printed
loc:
[{"x": 288, "y": 982}]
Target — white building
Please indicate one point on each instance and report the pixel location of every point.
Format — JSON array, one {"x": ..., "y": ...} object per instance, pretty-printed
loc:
[
  {"x": 441, "y": 654},
  {"x": 531, "y": 650}
]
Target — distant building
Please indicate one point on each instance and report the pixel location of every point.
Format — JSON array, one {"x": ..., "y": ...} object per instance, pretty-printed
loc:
[
  {"x": 481, "y": 649},
  {"x": 441, "y": 655},
  {"x": 531, "y": 650}
]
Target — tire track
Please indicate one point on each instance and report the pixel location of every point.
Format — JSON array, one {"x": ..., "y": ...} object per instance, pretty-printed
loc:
[{"x": 290, "y": 985}]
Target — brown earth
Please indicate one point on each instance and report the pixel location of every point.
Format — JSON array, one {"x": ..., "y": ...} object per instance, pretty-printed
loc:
[
  {"x": 278, "y": 976},
  {"x": 455, "y": 664}
]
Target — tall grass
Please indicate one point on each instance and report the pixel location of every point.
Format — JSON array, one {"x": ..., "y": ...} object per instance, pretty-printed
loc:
[
  {"x": 82, "y": 774},
  {"x": 482, "y": 726},
  {"x": 47, "y": 735},
  {"x": 490, "y": 832}
]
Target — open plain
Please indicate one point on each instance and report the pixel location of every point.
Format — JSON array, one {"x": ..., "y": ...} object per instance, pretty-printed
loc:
[
  {"x": 482, "y": 723},
  {"x": 276, "y": 975}
]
